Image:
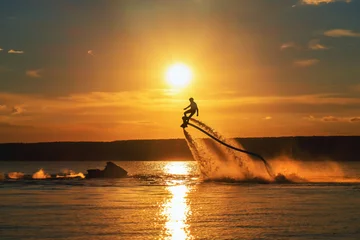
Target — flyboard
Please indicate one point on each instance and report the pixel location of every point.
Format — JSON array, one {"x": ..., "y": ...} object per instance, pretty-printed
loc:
[
  {"x": 185, "y": 122},
  {"x": 267, "y": 166}
]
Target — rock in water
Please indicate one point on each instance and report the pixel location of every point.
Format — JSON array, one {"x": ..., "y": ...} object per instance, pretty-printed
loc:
[{"x": 111, "y": 171}]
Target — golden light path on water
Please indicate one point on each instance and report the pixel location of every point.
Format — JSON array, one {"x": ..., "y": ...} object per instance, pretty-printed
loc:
[
  {"x": 176, "y": 209},
  {"x": 180, "y": 168}
]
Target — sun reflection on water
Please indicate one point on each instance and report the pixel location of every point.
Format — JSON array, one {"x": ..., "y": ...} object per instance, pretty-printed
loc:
[
  {"x": 176, "y": 209},
  {"x": 181, "y": 168}
]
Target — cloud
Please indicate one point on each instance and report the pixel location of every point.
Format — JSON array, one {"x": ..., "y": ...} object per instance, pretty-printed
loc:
[
  {"x": 1, "y": 49},
  {"x": 355, "y": 119},
  {"x": 288, "y": 45},
  {"x": 5, "y": 125},
  {"x": 34, "y": 73},
  {"x": 145, "y": 114},
  {"x": 90, "y": 52},
  {"x": 306, "y": 62},
  {"x": 17, "y": 110},
  {"x": 315, "y": 45},
  {"x": 318, "y": 2},
  {"x": 309, "y": 118},
  {"x": 333, "y": 119},
  {"x": 341, "y": 33},
  {"x": 330, "y": 119},
  {"x": 15, "y": 51}
]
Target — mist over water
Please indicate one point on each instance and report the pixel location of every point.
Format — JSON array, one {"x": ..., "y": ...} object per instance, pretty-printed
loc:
[{"x": 218, "y": 162}]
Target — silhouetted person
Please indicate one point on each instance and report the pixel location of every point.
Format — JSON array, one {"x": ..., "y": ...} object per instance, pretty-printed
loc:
[{"x": 193, "y": 108}]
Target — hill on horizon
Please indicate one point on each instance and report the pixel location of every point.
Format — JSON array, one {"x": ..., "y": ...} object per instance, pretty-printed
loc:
[{"x": 338, "y": 148}]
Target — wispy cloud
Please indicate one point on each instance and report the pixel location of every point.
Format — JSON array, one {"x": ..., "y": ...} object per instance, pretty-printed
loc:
[
  {"x": 333, "y": 119},
  {"x": 318, "y": 2},
  {"x": 355, "y": 119},
  {"x": 90, "y": 52},
  {"x": 124, "y": 114},
  {"x": 315, "y": 45},
  {"x": 309, "y": 118},
  {"x": 306, "y": 62},
  {"x": 17, "y": 110},
  {"x": 12, "y": 51},
  {"x": 341, "y": 33},
  {"x": 289, "y": 45},
  {"x": 35, "y": 73}
]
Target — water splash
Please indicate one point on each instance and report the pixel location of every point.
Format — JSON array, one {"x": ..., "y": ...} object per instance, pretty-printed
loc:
[
  {"x": 41, "y": 174},
  {"x": 243, "y": 168},
  {"x": 15, "y": 175},
  {"x": 235, "y": 164},
  {"x": 200, "y": 155},
  {"x": 70, "y": 174},
  {"x": 311, "y": 171},
  {"x": 240, "y": 160},
  {"x": 211, "y": 164}
]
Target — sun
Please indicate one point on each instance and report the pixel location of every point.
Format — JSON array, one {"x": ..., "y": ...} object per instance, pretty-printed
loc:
[{"x": 178, "y": 75}]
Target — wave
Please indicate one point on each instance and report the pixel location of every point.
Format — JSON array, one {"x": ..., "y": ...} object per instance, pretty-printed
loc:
[{"x": 41, "y": 175}]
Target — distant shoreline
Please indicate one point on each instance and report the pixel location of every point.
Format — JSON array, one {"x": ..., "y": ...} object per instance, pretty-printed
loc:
[
  {"x": 338, "y": 148},
  {"x": 166, "y": 139}
]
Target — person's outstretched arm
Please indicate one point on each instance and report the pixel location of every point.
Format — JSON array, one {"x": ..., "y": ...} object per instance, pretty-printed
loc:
[{"x": 187, "y": 107}]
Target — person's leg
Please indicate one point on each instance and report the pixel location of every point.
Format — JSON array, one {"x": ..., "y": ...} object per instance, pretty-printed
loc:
[
  {"x": 186, "y": 112},
  {"x": 191, "y": 114}
]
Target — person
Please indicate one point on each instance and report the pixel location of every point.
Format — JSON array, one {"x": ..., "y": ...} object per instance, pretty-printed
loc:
[{"x": 193, "y": 108}]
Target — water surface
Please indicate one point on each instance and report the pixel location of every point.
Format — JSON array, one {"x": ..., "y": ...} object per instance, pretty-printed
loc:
[{"x": 170, "y": 200}]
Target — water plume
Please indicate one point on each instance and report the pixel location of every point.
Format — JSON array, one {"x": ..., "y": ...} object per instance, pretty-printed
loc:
[
  {"x": 200, "y": 155},
  {"x": 70, "y": 174},
  {"x": 310, "y": 171},
  {"x": 235, "y": 164},
  {"x": 240, "y": 167},
  {"x": 220, "y": 137},
  {"x": 212, "y": 166},
  {"x": 41, "y": 174}
]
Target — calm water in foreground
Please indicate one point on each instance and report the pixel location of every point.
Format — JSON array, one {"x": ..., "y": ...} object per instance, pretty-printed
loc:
[{"x": 170, "y": 200}]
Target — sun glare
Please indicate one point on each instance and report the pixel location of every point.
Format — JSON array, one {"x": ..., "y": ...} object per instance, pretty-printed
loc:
[{"x": 178, "y": 75}]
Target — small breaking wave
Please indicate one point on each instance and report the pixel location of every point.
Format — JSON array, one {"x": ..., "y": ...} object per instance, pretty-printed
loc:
[
  {"x": 15, "y": 175},
  {"x": 41, "y": 174},
  {"x": 70, "y": 174}
]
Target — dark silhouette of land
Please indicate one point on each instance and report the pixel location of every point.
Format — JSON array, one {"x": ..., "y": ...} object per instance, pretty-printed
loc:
[{"x": 337, "y": 148}]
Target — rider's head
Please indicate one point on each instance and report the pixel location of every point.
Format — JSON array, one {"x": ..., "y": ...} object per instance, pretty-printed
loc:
[{"x": 191, "y": 99}]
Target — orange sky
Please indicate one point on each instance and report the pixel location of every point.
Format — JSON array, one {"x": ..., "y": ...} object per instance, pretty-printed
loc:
[{"x": 259, "y": 68}]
